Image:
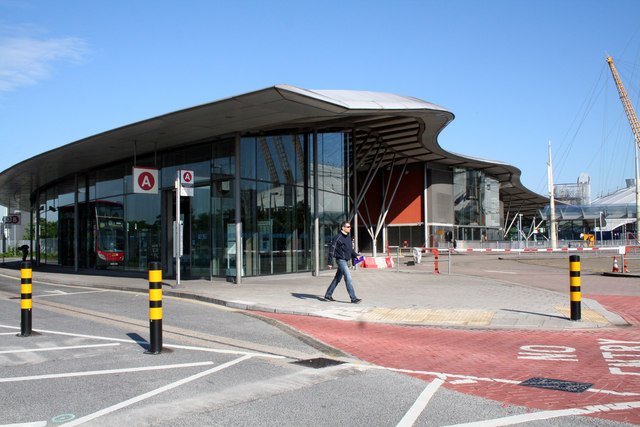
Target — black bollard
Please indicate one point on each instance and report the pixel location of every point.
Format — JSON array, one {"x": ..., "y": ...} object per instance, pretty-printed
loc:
[
  {"x": 26, "y": 303},
  {"x": 574, "y": 287},
  {"x": 155, "y": 308}
]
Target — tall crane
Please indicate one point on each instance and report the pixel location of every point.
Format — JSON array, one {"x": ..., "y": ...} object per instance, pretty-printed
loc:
[{"x": 635, "y": 128}]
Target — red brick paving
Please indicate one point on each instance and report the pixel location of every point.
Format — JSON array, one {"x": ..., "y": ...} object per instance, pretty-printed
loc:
[{"x": 494, "y": 354}]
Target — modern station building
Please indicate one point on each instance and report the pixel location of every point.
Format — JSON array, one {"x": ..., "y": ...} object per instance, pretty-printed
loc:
[{"x": 274, "y": 172}]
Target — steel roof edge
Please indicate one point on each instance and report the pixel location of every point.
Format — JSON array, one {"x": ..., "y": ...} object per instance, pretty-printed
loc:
[{"x": 21, "y": 177}]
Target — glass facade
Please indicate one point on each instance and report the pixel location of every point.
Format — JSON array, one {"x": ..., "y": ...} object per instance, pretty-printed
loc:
[
  {"x": 476, "y": 205},
  {"x": 95, "y": 220}
]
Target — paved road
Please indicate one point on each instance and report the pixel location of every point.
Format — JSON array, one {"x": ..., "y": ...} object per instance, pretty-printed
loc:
[
  {"x": 492, "y": 363},
  {"x": 463, "y": 374}
]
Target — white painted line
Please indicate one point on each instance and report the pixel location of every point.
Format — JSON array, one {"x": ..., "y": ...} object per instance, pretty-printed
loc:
[
  {"x": 104, "y": 372},
  {"x": 503, "y": 272},
  {"x": 31, "y": 424},
  {"x": 184, "y": 347},
  {"x": 58, "y": 293},
  {"x": 73, "y": 347},
  {"x": 155, "y": 392},
  {"x": 494, "y": 380},
  {"x": 545, "y": 415},
  {"x": 214, "y": 350},
  {"x": 463, "y": 382},
  {"x": 7, "y": 333},
  {"x": 418, "y": 406}
]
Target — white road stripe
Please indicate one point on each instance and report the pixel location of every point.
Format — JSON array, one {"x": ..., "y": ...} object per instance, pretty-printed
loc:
[
  {"x": 73, "y": 347},
  {"x": 494, "y": 380},
  {"x": 498, "y": 271},
  {"x": 31, "y": 424},
  {"x": 129, "y": 341},
  {"x": 545, "y": 415},
  {"x": 155, "y": 392},
  {"x": 215, "y": 350},
  {"x": 418, "y": 406},
  {"x": 58, "y": 293},
  {"x": 104, "y": 372}
]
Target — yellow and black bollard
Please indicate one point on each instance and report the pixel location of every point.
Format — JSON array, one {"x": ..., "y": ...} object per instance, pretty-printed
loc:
[
  {"x": 25, "y": 299},
  {"x": 574, "y": 287},
  {"x": 155, "y": 308}
]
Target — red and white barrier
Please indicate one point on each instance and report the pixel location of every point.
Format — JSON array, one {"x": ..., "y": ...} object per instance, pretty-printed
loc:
[
  {"x": 377, "y": 262},
  {"x": 618, "y": 249}
]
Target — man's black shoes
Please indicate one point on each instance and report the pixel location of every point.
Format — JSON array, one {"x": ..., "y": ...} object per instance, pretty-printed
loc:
[
  {"x": 328, "y": 298},
  {"x": 355, "y": 301}
]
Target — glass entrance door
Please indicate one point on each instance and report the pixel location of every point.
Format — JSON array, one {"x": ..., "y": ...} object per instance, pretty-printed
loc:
[{"x": 200, "y": 220}]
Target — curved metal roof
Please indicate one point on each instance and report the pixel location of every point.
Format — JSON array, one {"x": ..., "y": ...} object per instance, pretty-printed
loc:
[{"x": 405, "y": 126}]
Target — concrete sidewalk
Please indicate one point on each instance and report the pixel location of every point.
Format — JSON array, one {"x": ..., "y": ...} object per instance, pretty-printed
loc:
[{"x": 414, "y": 297}]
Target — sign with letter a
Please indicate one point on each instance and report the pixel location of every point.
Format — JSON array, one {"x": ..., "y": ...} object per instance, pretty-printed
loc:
[{"x": 145, "y": 180}]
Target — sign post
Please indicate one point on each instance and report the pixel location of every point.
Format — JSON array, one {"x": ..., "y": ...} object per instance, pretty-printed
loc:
[
  {"x": 184, "y": 187},
  {"x": 4, "y": 240}
]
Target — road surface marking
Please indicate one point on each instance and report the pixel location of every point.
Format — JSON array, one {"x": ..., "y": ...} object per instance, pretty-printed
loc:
[
  {"x": 57, "y": 293},
  {"x": 155, "y": 392},
  {"x": 469, "y": 379},
  {"x": 104, "y": 372},
  {"x": 416, "y": 409},
  {"x": 73, "y": 347},
  {"x": 501, "y": 272},
  {"x": 545, "y": 415},
  {"x": 129, "y": 341}
]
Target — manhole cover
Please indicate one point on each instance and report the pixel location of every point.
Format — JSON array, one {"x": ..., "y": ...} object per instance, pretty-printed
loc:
[
  {"x": 318, "y": 363},
  {"x": 560, "y": 385}
]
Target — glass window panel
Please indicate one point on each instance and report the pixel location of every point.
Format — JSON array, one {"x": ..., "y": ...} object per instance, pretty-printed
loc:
[
  {"x": 200, "y": 233},
  {"x": 224, "y": 159},
  {"x": 108, "y": 240},
  {"x": 248, "y": 215},
  {"x": 331, "y": 167},
  {"x": 222, "y": 223},
  {"x": 196, "y": 159},
  {"x": 110, "y": 181},
  {"x": 142, "y": 241},
  {"x": 248, "y": 166}
]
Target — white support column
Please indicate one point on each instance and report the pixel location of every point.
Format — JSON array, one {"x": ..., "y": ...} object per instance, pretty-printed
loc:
[{"x": 238, "y": 215}]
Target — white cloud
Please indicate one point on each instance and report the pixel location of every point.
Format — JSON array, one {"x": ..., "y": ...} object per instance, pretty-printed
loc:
[{"x": 26, "y": 60}]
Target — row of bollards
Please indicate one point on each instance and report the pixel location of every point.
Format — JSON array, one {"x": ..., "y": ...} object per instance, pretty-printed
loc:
[
  {"x": 155, "y": 304},
  {"x": 155, "y": 299}
]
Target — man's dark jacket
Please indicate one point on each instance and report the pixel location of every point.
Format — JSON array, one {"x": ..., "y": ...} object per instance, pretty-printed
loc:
[{"x": 341, "y": 248}]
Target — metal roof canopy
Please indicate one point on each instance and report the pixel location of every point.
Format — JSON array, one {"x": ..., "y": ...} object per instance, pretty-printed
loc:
[{"x": 407, "y": 126}]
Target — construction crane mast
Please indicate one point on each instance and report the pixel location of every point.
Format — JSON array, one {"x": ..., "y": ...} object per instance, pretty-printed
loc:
[{"x": 635, "y": 128}]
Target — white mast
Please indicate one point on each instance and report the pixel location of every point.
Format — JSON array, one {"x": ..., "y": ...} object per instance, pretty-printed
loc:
[{"x": 552, "y": 203}]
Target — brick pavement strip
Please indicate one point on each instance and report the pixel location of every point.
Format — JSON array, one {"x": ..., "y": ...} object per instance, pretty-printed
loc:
[{"x": 491, "y": 363}]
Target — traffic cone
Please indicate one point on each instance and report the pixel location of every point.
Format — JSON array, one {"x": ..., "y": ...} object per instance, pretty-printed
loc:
[
  {"x": 624, "y": 264},
  {"x": 615, "y": 266}
]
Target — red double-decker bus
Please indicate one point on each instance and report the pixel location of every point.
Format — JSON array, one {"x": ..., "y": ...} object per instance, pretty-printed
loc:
[{"x": 108, "y": 233}]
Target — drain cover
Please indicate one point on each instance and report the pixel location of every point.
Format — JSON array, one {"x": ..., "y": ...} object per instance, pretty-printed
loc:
[
  {"x": 560, "y": 385},
  {"x": 318, "y": 363}
]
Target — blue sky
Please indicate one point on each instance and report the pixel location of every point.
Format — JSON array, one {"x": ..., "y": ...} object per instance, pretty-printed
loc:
[{"x": 515, "y": 73}]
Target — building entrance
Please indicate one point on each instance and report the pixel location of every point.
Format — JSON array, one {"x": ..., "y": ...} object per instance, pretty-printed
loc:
[
  {"x": 195, "y": 262},
  {"x": 171, "y": 249}
]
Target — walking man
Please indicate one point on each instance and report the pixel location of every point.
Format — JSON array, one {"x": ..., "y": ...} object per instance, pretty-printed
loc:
[{"x": 342, "y": 250}]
